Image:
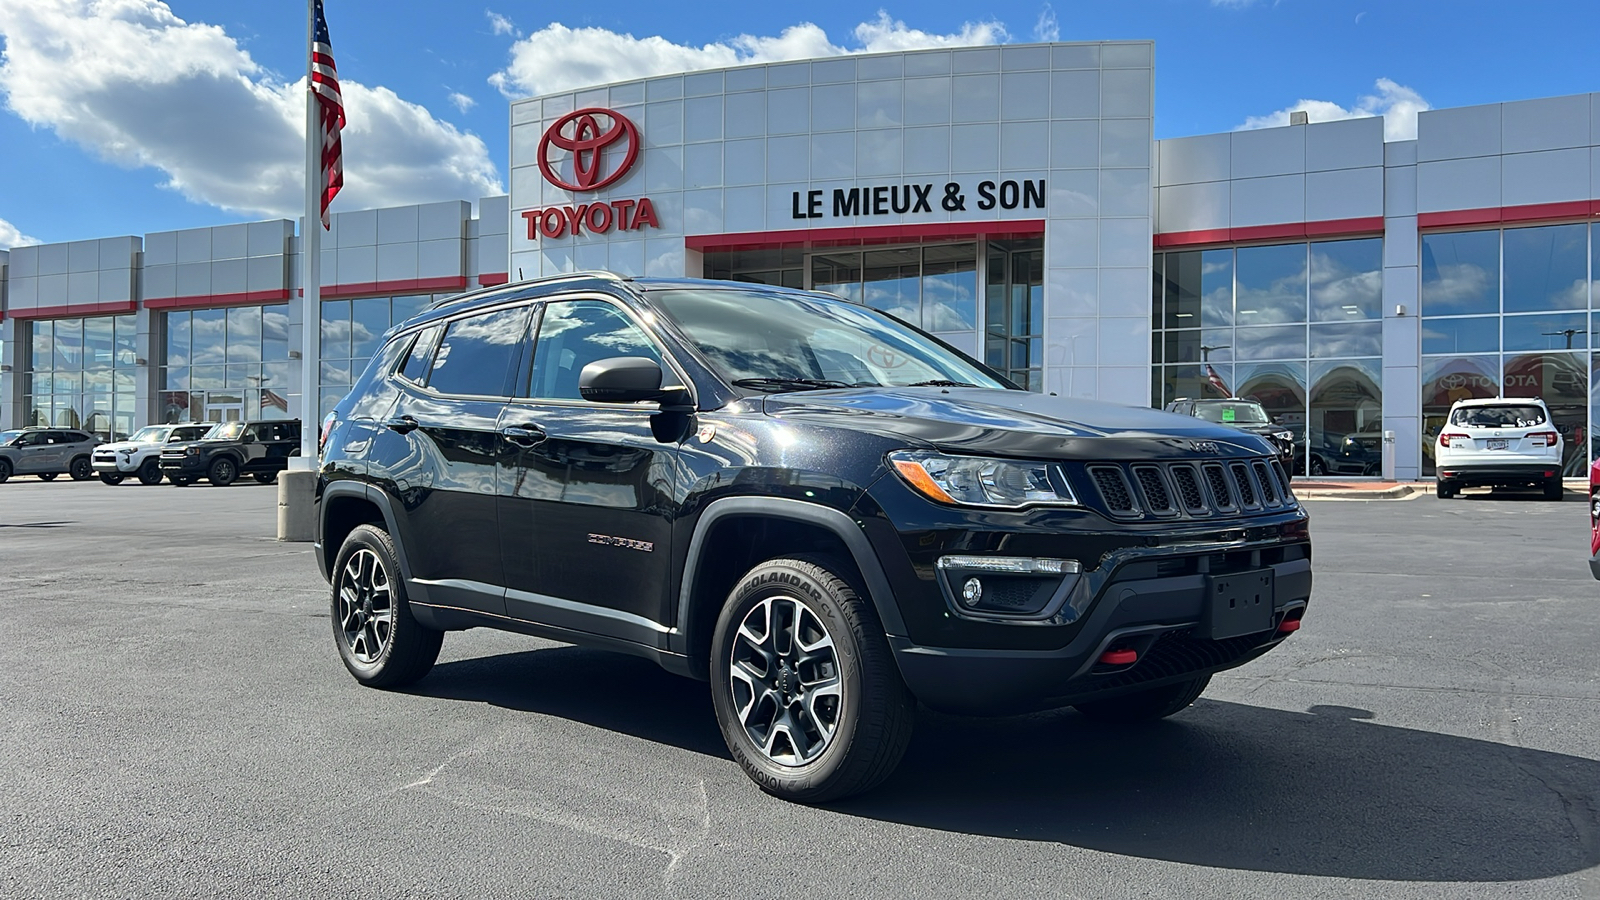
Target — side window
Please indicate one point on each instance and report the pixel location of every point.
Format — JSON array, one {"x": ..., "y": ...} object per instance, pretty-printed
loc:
[
  {"x": 574, "y": 333},
  {"x": 476, "y": 354},
  {"x": 415, "y": 366}
]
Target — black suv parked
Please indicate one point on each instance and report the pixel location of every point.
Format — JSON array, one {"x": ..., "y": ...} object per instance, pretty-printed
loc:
[
  {"x": 1246, "y": 415},
  {"x": 828, "y": 514},
  {"x": 231, "y": 449}
]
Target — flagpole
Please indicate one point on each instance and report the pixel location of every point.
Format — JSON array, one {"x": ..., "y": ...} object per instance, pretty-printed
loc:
[{"x": 311, "y": 265}]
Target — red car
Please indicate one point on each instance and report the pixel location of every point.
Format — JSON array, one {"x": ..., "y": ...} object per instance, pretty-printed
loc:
[{"x": 1594, "y": 519}]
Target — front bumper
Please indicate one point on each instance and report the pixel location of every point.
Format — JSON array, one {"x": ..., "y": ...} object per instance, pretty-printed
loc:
[
  {"x": 1161, "y": 617},
  {"x": 114, "y": 465},
  {"x": 184, "y": 465},
  {"x": 1508, "y": 473}
]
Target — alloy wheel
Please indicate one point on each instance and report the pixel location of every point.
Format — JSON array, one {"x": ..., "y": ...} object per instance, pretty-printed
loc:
[
  {"x": 784, "y": 675},
  {"x": 366, "y": 608}
]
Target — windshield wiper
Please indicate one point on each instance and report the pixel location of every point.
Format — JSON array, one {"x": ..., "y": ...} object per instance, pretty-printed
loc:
[
  {"x": 791, "y": 384},
  {"x": 939, "y": 382}
]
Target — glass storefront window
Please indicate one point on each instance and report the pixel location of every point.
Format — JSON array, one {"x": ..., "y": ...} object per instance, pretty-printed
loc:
[
  {"x": 1345, "y": 428},
  {"x": 1346, "y": 339},
  {"x": 1546, "y": 268},
  {"x": 351, "y": 331},
  {"x": 1347, "y": 280},
  {"x": 1473, "y": 334},
  {"x": 1561, "y": 380},
  {"x": 1270, "y": 342},
  {"x": 1446, "y": 379},
  {"x": 1271, "y": 285},
  {"x": 1558, "y": 331},
  {"x": 215, "y": 360},
  {"x": 1460, "y": 273},
  {"x": 80, "y": 374}
]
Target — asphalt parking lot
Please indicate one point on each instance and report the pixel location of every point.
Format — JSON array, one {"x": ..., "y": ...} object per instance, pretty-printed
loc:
[{"x": 177, "y": 723}]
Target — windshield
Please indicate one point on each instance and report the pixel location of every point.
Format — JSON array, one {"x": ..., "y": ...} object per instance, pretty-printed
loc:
[
  {"x": 774, "y": 341},
  {"x": 7, "y": 437},
  {"x": 1517, "y": 416},
  {"x": 155, "y": 434},
  {"x": 1242, "y": 412},
  {"x": 225, "y": 431}
]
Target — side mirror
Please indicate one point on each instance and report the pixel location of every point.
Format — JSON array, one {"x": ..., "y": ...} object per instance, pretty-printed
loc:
[
  {"x": 247, "y": 438},
  {"x": 621, "y": 379}
]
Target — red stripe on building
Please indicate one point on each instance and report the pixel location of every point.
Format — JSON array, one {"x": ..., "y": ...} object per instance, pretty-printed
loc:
[
  {"x": 1287, "y": 231},
  {"x": 73, "y": 310},
  {"x": 1497, "y": 215},
  {"x": 403, "y": 286},
  {"x": 204, "y": 301},
  {"x": 865, "y": 234}
]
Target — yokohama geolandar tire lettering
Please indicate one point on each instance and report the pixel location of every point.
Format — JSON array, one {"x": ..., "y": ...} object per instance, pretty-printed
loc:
[
  {"x": 381, "y": 643},
  {"x": 805, "y": 688}
]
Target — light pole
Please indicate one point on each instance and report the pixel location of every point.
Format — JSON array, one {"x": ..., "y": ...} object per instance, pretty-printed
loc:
[
  {"x": 1568, "y": 334},
  {"x": 1205, "y": 351}
]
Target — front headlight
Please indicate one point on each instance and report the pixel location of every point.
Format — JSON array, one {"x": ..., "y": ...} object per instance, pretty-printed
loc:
[
  {"x": 1284, "y": 435},
  {"x": 982, "y": 480},
  {"x": 192, "y": 451}
]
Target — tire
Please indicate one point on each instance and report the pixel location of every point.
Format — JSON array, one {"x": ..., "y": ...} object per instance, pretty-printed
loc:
[
  {"x": 179, "y": 481},
  {"x": 81, "y": 469},
  {"x": 110, "y": 478},
  {"x": 223, "y": 471},
  {"x": 368, "y": 593},
  {"x": 1443, "y": 491},
  {"x": 1554, "y": 490},
  {"x": 851, "y": 684},
  {"x": 150, "y": 472},
  {"x": 5, "y": 470},
  {"x": 265, "y": 477},
  {"x": 1148, "y": 705},
  {"x": 48, "y": 476},
  {"x": 1318, "y": 467}
]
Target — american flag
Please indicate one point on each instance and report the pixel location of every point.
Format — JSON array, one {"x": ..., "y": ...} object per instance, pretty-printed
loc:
[{"x": 325, "y": 83}]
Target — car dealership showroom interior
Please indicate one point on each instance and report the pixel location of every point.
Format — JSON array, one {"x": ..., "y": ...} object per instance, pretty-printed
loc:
[{"x": 1011, "y": 201}]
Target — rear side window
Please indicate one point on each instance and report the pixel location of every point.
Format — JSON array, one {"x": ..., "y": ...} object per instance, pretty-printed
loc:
[
  {"x": 415, "y": 367},
  {"x": 1508, "y": 416},
  {"x": 476, "y": 354}
]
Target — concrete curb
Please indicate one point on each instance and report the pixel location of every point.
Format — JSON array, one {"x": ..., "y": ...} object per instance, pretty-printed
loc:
[{"x": 1397, "y": 492}]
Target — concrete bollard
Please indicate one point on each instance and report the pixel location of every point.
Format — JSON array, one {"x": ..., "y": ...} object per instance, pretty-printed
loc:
[{"x": 296, "y": 511}]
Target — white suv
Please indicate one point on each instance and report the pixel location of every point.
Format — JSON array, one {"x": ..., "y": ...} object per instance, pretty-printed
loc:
[
  {"x": 1499, "y": 441},
  {"x": 140, "y": 455}
]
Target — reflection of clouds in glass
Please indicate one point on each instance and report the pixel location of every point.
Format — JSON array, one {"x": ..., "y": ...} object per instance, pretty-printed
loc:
[
  {"x": 950, "y": 301},
  {"x": 1342, "y": 340},
  {"x": 1271, "y": 342},
  {"x": 209, "y": 336},
  {"x": 1215, "y": 266},
  {"x": 1459, "y": 288},
  {"x": 1338, "y": 293},
  {"x": 1271, "y": 284}
]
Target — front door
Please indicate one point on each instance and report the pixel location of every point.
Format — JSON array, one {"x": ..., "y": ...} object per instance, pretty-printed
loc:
[
  {"x": 223, "y": 407},
  {"x": 589, "y": 496}
]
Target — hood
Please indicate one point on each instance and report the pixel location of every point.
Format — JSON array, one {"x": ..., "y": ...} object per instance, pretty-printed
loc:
[
  {"x": 131, "y": 445},
  {"x": 1014, "y": 423}
]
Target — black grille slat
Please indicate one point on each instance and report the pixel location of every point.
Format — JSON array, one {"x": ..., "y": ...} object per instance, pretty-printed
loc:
[
  {"x": 1269, "y": 487},
  {"x": 1247, "y": 488},
  {"x": 1283, "y": 479},
  {"x": 1194, "y": 500},
  {"x": 1154, "y": 487},
  {"x": 1217, "y": 480},
  {"x": 1113, "y": 486}
]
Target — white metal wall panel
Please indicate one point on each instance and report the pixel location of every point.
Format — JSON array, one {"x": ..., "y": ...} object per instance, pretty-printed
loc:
[
  {"x": 1458, "y": 184},
  {"x": 1458, "y": 133},
  {"x": 1189, "y": 160},
  {"x": 1549, "y": 176},
  {"x": 1551, "y": 123},
  {"x": 1268, "y": 151},
  {"x": 1344, "y": 194},
  {"x": 1345, "y": 144},
  {"x": 1268, "y": 201}
]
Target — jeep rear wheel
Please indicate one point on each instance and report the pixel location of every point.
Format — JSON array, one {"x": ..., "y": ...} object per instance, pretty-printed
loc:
[
  {"x": 150, "y": 472},
  {"x": 1146, "y": 705},
  {"x": 381, "y": 643},
  {"x": 805, "y": 690},
  {"x": 222, "y": 472},
  {"x": 110, "y": 478}
]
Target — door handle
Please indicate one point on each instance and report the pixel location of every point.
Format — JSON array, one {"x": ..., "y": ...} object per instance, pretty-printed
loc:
[
  {"x": 524, "y": 435},
  {"x": 402, "y": 424}
]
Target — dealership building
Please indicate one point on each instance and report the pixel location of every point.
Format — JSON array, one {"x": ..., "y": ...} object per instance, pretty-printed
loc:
[{"x": 1011, "y": 200}]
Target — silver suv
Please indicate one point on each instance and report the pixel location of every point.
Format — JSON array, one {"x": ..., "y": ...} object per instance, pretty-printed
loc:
[{"x": 47, "y": 452}]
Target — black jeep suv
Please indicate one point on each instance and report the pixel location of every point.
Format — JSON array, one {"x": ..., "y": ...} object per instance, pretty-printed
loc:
[
  {"x": 826, "y": 513},
  {"x": 231, "y": 449}
]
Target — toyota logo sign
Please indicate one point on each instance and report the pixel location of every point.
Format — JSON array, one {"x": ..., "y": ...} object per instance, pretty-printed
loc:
[{"x": 588, "y": 135}]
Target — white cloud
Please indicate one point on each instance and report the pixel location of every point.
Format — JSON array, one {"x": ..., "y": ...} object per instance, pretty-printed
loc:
[
  {"x": 1048, "y": 28},
  {"x": 139, "y": 86},
  {"x": 11, "y": 236},
  {"x": 1397, "y": 104},
  {"x": 557, "y": 58},
  {"x": 501, "y": 24},
  {"x": 462, "y": 102}
]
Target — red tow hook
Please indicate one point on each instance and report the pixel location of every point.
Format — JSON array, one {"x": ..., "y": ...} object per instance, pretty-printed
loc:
[
  {"x": 1288, "y": 626},
  {"x": 1122, "y": 657}
]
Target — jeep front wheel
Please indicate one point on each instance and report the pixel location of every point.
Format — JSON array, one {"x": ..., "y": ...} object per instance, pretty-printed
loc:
[
  {"x": 1147, "y": 705},
  {"x": 381, "y": 643},
  {"x": 222, "y": 472},
  {"x": 806, "y": 693}
]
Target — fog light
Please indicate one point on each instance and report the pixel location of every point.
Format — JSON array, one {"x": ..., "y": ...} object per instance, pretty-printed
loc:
[{"x": 972, "y": 592}]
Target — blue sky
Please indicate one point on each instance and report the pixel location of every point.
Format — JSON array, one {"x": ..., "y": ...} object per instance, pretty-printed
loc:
[{"x": 131, "y": 116}]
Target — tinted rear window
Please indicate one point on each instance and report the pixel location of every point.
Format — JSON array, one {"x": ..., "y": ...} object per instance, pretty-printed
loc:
[
  {"x": 476, "y": 356},
  {"x": 1508, "y": 416}
]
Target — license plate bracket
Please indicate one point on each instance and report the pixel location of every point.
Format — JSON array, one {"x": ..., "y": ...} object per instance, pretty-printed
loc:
[
  {"x": 1499, "y": 443},
  {"x": 1238, "y": 604}
]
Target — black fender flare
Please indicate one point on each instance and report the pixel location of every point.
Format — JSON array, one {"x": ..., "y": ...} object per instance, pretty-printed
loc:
[
  {"x": 826, "y": 517},
  {"x": 376, "y": 497}
]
